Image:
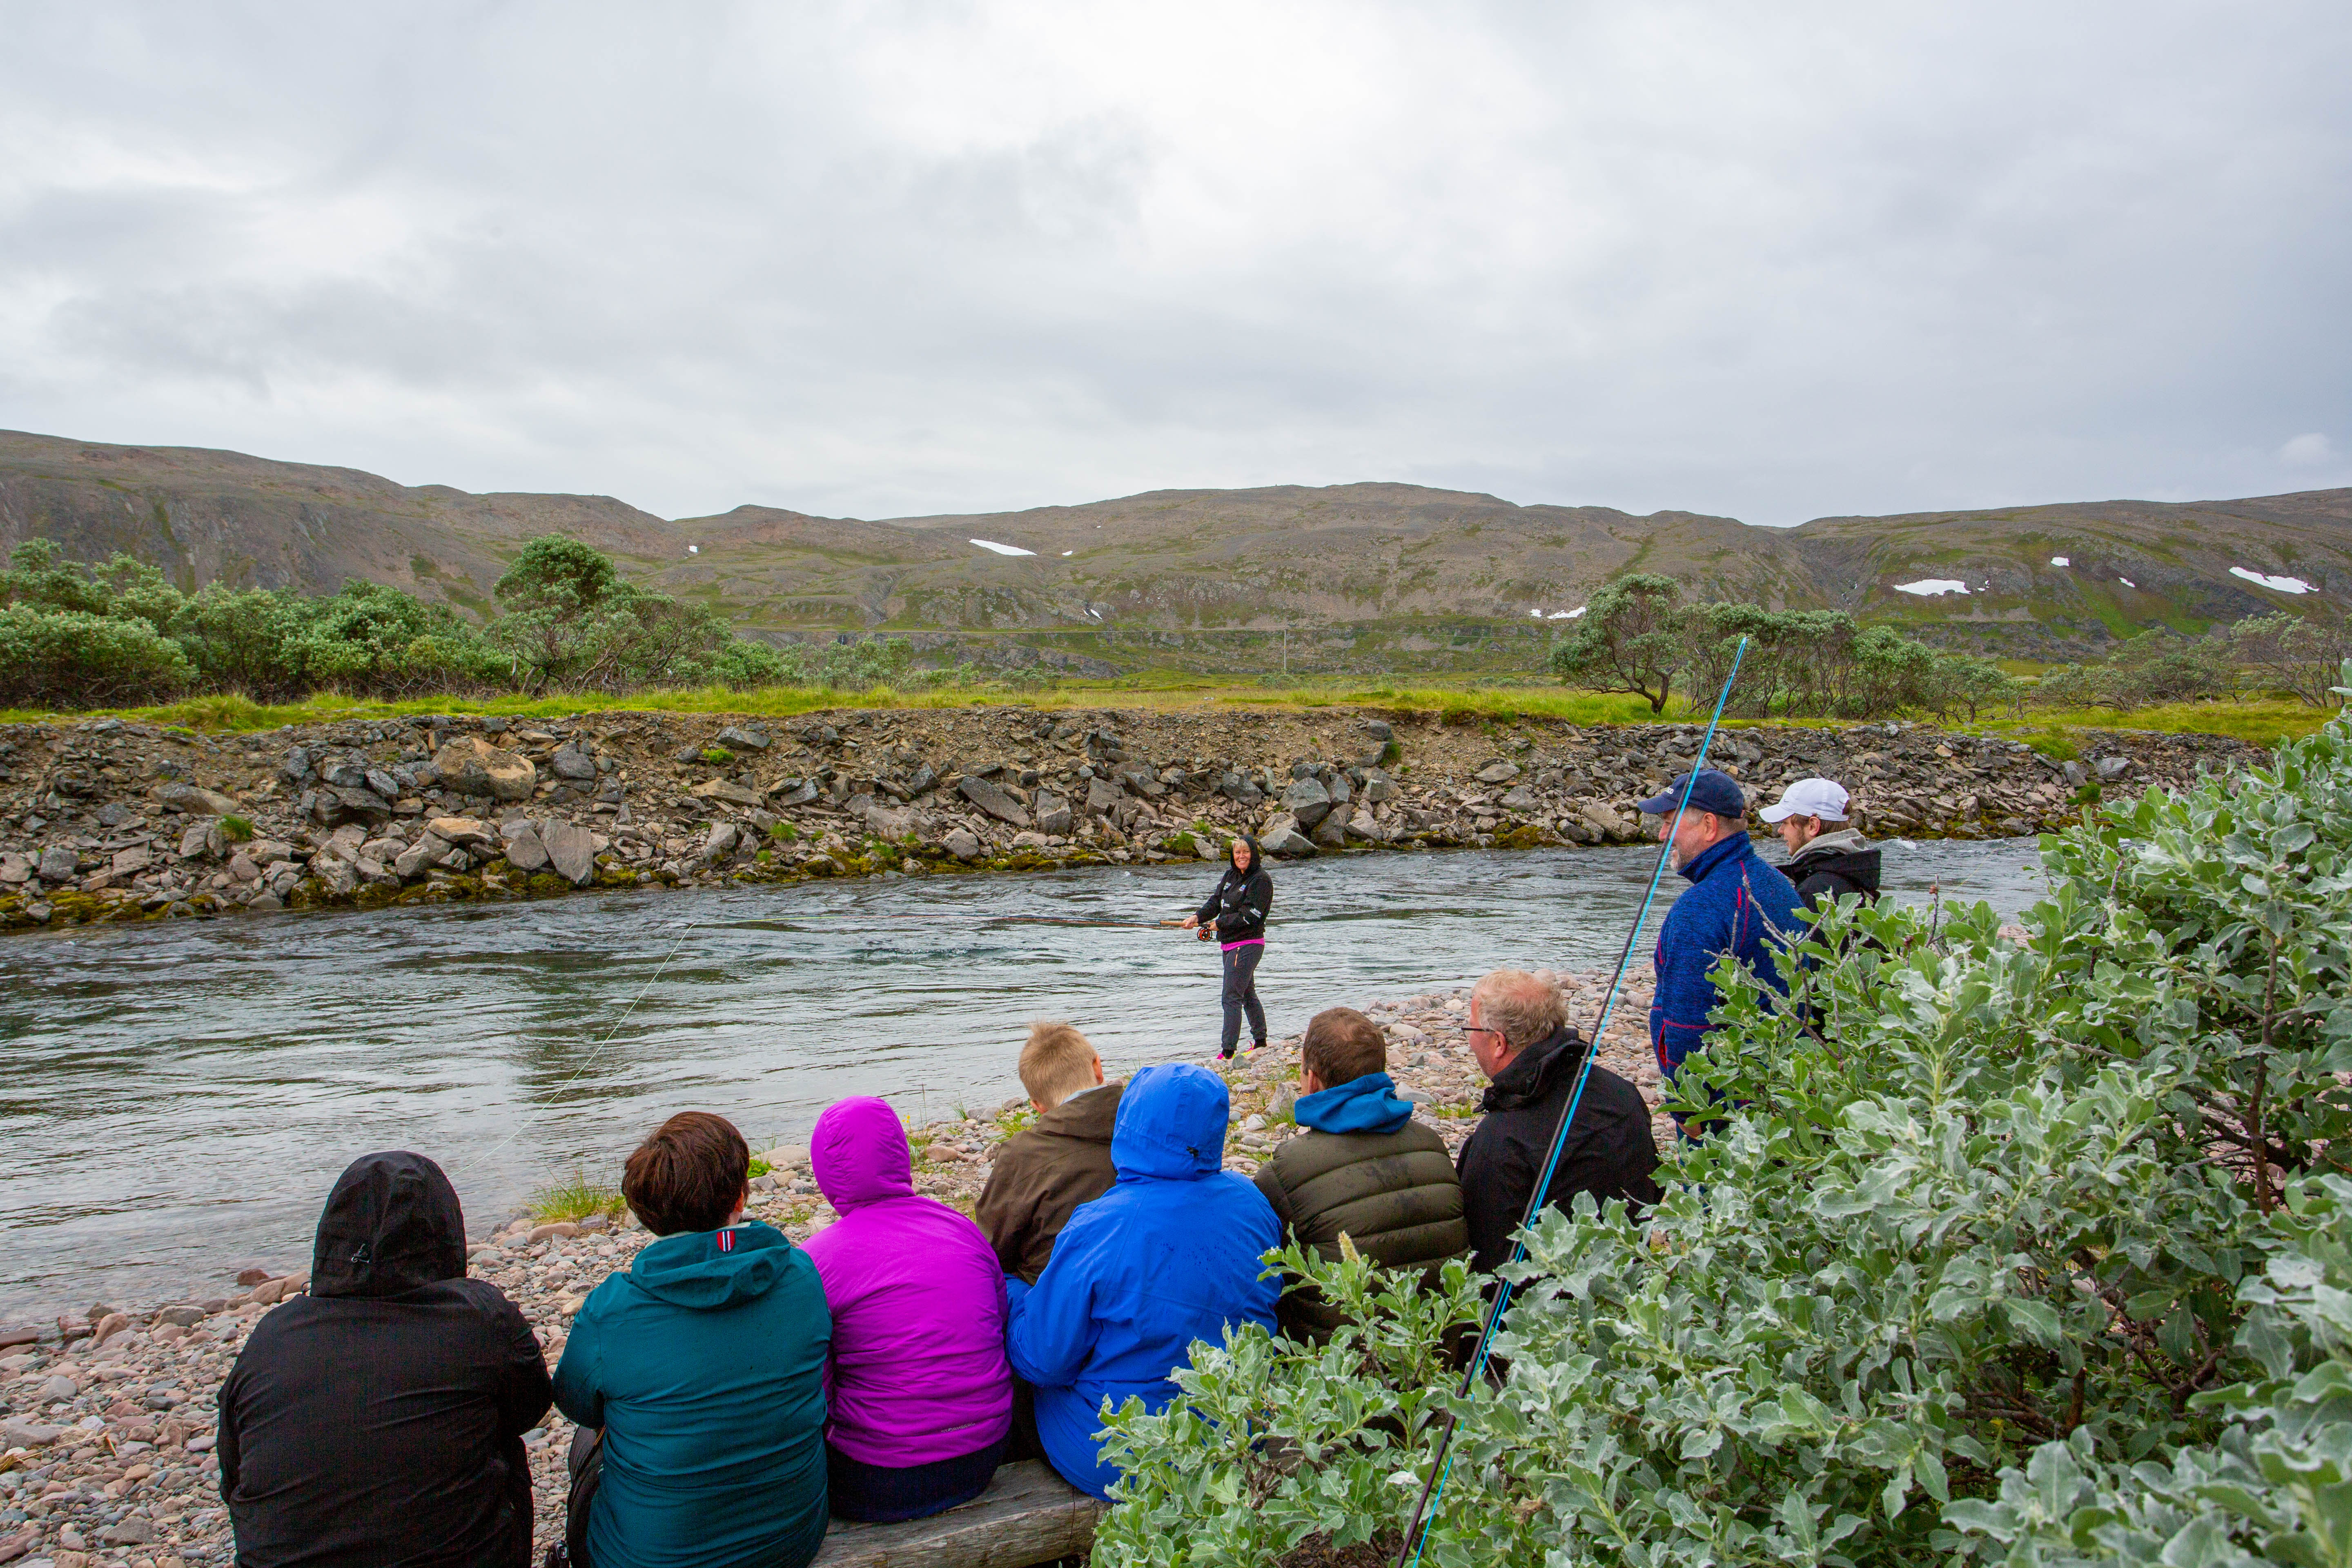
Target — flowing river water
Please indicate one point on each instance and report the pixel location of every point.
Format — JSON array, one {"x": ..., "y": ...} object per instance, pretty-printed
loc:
[{"x": 178, "y": 1097}]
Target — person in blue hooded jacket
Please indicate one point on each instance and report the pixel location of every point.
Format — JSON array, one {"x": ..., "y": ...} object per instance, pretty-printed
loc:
[
  {"x": 1169, "y": 1255},
  {"x": 1737, "y": 903},
  {"x": 703, "y": 1363}
]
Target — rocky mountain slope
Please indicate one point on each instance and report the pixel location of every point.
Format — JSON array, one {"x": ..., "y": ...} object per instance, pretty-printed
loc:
[{"x": 1362, "y": 576}]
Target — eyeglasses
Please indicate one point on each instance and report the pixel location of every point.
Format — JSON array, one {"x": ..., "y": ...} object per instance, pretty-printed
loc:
[{"x": 1481, "y": 1029}]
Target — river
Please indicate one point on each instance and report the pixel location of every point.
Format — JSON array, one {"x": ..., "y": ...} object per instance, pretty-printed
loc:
[{"x": 179, "y": 1097}]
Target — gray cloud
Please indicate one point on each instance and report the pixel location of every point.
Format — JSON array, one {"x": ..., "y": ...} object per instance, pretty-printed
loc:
[{"x": 1770, "y": 263}]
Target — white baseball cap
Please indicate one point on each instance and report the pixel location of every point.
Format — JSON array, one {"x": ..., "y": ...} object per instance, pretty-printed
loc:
[{"x": 1809, "y": 797}]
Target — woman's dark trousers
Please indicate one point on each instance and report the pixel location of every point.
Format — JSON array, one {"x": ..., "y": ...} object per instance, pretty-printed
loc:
[{"x": 1240, "y": 995}]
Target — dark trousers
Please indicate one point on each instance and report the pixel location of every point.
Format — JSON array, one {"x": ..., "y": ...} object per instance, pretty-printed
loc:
[
  {"x": 1240, "y": 997},
  {"x": 884, "y": 1494}
]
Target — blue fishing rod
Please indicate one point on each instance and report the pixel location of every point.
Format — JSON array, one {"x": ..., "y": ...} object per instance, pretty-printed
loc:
[{"x": 1440, "y": 1465}]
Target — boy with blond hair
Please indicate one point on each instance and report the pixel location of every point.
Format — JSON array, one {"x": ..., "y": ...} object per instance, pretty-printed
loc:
[{"x": 1043, "y": 1173}]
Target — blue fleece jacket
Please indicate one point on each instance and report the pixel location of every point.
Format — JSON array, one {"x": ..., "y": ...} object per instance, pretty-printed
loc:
[
  {"x": 1737, "y": 903},
  {"x": 1169, "y": 1255},
  {"x": 1366, "y": 1104},
  {"x": 704, "y": 1363}
]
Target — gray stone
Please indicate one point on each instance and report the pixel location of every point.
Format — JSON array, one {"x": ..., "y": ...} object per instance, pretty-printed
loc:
[
  {"x": 1362, "y": 825},
  {"x": 720, "y": 842},
  {"x": 1331, "y": 833},
  {"x": 571, "y": 762},
  {"x": 243, "y": 869},
  {"x": 465, "y": 832},
  {"x": 523, "y": 848},
  {"x": 131, "y": 1532},
  {"x": 59, "y": 1387},
  {"x": 340, "y": 878},
  {"x": 265, "y": 903},
  {"x": 723, "y": 789},
  {"x": 1519, "y": 797},
  {"x": 186, "y": 1317},
  {"x": 132, "y": 861},
  {"x": 1337, "y": 784},
  {"x": 268, "y": 852},
  {"x": 571, "y": 851},
  {"x": 14, "y": 869},
  {"x": 2110, "y": 769},
  {"x": 1029, "y": 841},
  {"x": 18, "y": 1433},
  {"x": 56, "y": 864},
  {"x": 992, "y": 800},
  {"x": 203, "y": 841},
  {"x": 471, "y": 765},
  {"x": 195, "y": 802},
  {"x": 794, "y": 792},
  {"x": 114, "y": 813},
  {"x": 1378, "y": 787},
  {"x": 295, "y": 767},
  {"x": 961, "y": 844},
  {"x": 2076, "y": 774},
  {"x": 1306, "y": 801},
  {"x": 1054, "y": 816},
  {"x": 745, "y": 738},
  {"x": 1102, "y": 795},
  {"x": 1281, "y": 836},
  {"x": 383, "y": 783},
  {"x": 1498, "y": 771},
  {"x": 413, "y": 860}
]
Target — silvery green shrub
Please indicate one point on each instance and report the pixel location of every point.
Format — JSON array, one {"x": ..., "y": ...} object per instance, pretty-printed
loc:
[{"x": 1996, "y": 1251}]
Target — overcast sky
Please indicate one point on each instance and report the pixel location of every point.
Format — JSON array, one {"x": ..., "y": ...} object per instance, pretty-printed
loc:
[{"x": 1773, "y": 262}]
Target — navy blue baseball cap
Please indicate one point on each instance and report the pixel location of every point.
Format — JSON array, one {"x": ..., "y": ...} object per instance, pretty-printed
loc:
[{"x": 1711, "y": 791}]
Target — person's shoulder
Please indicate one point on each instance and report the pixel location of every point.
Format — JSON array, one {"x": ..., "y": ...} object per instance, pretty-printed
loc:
[{"x": 1617, "y": 1096}]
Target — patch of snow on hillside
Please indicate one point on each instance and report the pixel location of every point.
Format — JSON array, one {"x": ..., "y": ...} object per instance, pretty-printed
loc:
[
  {"x": 2060, "y": 561},
  {"x": 2128, "y": 581},
  {"x": 1928, "y": 588},
  {"x": 1001, "y": 549},
  {"x": 1568, "y": 614},
  {"x": 2277, "y": 585},
  {"x": 1069, "y": 552},
  {"x": 1537, "y": 614}
]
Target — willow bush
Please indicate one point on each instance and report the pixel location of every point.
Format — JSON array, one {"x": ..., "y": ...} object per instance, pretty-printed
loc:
[{"x": 2007, "y": 1252}]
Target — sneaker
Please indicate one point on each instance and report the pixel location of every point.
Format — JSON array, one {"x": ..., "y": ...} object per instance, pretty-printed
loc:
[
  {"x": 1225, "y": 1056},
  {"x": 1255, "y": 1047}
]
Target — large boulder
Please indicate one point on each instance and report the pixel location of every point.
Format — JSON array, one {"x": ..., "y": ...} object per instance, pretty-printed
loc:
[
  {"x": 524, "y": 850},
  {"x": 471, "y": 765},
  {"x": 194, "y": 800},
  {"x": 961, "y": 844},
  {"x": 745, "y": 738},
  {"x": 571, "y": 762},
  {"x": 1306, "y": 801},
  {"x": 56, "y": 864},
  {"x": 1331, "y": 832},
  {"x": 465, "y": 831},
  {"x": 1054, "y": 816},
  {"x": 571, "y": 851},
  {"x": 1518, "y": 797},
  {"x": 1498, "y": 771},
  {"x": 14, "y": 869},
  {"x": 1102, "y": 795},
  {"x": 1281, "y": 836},
  {"x": 992, "y": 800},
  {"x": 722, "y": 789}
]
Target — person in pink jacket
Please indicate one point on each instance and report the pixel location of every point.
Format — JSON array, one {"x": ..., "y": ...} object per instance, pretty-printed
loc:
[{"x": 922, "y": 1394}]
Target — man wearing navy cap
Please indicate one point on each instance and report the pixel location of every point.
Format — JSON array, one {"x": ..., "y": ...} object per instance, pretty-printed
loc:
[{"x": 1737, "y": 903}]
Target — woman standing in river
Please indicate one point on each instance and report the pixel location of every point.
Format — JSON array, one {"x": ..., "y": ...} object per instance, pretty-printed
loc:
[{"x": 1234, "y": 916}]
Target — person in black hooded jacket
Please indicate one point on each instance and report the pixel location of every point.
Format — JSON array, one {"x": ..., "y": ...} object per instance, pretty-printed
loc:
[
  {"x": 1827, "y": 858},
  {"x": 379, "y": 1420},
  {"x": 1234, "y": 916}
]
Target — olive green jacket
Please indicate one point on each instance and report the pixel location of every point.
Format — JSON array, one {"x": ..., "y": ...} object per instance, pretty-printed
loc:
[{"x": 1393, "y": 1194}]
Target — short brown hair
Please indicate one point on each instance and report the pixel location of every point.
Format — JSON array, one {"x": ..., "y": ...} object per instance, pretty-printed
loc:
[
  {"x": 1524, "y": 1008},
  {"x": 1057, "y": 1063},
  {"x": 689, "y": 1175},
  {"x": 1342, "y": 1046}
]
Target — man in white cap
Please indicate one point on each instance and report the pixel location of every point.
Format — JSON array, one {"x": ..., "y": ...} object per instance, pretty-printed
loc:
[{"x": 1827, "y": 860}]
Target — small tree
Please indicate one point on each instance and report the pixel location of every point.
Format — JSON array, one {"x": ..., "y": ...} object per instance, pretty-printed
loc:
[
  {"x": 2294, "y": 654},
  {"x": 1631, "y": 639}
]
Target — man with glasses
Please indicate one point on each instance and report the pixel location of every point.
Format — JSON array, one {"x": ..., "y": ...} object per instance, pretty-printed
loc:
[{"x": 1518, "y": 1032}]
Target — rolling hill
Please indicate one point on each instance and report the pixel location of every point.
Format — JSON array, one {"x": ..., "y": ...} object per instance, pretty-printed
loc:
[{"x": 1360, "y": 575}]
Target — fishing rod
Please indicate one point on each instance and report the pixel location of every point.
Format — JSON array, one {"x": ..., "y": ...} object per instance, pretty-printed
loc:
[{"x": 1441, "y": 1463}]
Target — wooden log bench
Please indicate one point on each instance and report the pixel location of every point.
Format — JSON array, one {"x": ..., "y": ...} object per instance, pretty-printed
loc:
[{"x": 1028, "y": 1515}]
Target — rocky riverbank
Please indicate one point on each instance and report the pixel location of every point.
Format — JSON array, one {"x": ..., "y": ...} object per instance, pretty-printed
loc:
[
  {"x": 105, "y": 820},
  {"x": 107, "y": 1416}
]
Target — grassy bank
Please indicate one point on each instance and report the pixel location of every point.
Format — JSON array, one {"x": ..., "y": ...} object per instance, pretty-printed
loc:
[{"x": 2263, "y": 722}]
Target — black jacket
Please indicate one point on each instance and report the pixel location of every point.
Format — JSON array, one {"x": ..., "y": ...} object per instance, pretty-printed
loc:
[
  {"x": 1825, "y": 871},
  {"x": 1609, "y": 1153},
  {"x": 379, "y": 1420},
  {"x": 1236, "y": 909},
  {"x": 1393, "y": 1195}
]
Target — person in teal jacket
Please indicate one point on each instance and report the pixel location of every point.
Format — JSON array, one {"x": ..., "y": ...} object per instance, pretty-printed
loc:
[
  {"x": 1169, "y": 1255},
  {"x": 704, "y": 1364}
]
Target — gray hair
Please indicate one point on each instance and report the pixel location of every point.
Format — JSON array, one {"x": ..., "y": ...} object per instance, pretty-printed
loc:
[{"x": 1522, "y": 1007}]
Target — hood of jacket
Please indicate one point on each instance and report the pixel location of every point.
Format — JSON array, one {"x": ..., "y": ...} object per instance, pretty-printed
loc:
[
  {"x": 859, "y": 1154},
  {"x": 1090, "y": 1117},
  {"x": 1535, "y": 1072},
  {"x": 1366, "y": 1104},
  {"x": 391, "y": 1225},
  {"x": 1171, "y": 1124},
  {"x": 1845, "y": 852},
  {"x": 708, "y": 1270}
]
